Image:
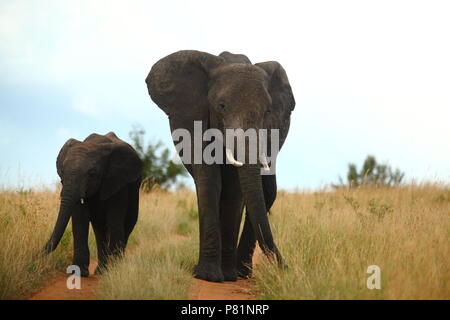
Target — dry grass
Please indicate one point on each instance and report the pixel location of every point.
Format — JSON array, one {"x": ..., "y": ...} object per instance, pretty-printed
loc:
[
  {"x": 160, "y": 256},
  {"x": 328, "y": 238},
  {"x": 162, "y": 251},
  {"x": 26, "y": 221}
]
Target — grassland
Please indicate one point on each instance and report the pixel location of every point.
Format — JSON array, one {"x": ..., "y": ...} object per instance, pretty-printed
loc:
[
  {"x": 26, "y": 220},
  {"x": 162, "y": 252},
  {"x": 328, "y": 238},
  {"x": 160, "y": 256}
]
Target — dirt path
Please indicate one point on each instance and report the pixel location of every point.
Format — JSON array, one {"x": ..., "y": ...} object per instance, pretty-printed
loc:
[
  {"x": 239, "y": 290},
  {"x": 56, "y": 288}
]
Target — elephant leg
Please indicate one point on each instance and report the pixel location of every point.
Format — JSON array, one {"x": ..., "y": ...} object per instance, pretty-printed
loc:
[
  {"x": 80, "y": 230},
  {"x": 208, "y": 185},
  {"x": 102, "y": 246},
  {"x": 231, "y": 206},
  {"x": 98, "y": 220},
  {"x": 117, "y": 207},
  {"x": 247, "y": 242},
  {"x": 133, "y": 209}
]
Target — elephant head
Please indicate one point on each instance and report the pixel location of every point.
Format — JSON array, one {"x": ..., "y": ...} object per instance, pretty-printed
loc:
[
  {"x": 226, "y": 92},
  {"x": 99, "y": 166}
]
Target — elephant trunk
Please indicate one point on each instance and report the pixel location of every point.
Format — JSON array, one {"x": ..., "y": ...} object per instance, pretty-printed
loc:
[
  {"x": 252, "y": 192},
  {"x": 65, "y": 209}
]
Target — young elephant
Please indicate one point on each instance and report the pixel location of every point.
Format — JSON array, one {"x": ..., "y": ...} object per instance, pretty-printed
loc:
[{"x": 100, "y": 183}]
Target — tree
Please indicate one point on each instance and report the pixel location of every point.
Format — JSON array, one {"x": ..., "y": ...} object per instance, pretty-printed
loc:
[
  {"x": 373, "y": 174},
  {"x": 158, "y": 169}
]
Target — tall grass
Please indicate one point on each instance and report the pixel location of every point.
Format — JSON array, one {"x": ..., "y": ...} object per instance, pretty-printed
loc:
[
  {"x": 158, "y": 263},
  {"x": 330, "y": 238},
  {"x": 26, "y": 221},
  {"x": 162, "y": 253}
]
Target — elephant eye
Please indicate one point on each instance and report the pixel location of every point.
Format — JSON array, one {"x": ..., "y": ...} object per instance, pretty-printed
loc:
[{"x": 222, "y": 106}]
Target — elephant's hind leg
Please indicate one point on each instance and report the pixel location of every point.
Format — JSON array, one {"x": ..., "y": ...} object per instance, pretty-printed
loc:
[
  {"x": 133, "y": 209},
  {"x": 98, "y": 220},
  {"x": 117, "y": 207},
  {"x": 102, "y": 246}
]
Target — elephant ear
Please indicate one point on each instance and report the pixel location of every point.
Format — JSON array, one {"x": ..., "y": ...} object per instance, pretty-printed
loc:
[
  {"x": 124, "y": 166},
  {"x": 279, "y": 87},
  {"x": 283, "y": 102},
  {"x": 62, "y": 155},
  {"x": 178, "y": 83}
]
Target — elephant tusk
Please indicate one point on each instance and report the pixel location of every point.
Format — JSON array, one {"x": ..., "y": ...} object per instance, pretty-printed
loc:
[
  {"x": 231, "y": 159},
  {"x": 82, "y": 201},
  {"x": 263, "y": 160}
]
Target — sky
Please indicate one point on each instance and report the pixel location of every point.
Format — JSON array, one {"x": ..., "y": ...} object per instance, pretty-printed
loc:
[{"x": 369, "y": 77}]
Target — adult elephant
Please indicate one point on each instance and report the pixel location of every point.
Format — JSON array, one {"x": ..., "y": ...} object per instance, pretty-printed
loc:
[
  {"x": 100, "y": 179},
  {"x": 226, "y": 92}
]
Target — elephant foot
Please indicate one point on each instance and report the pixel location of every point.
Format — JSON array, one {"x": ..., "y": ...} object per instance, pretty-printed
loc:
[
  {"x": 229, "y": 268},
  {"x": 230, "y": 274},
  {"x": 209, "y": 271},
  {"x": 84, "y": 271},
  {"x": 244, "y": 270},
  {"x": 82, "y": 262}
]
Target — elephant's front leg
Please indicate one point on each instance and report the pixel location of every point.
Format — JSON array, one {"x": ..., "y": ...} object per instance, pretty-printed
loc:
[
  {"x": 80, "y": 230},
  {"x": 208, "y": 185},
  {"x": 231, "y": 206}
]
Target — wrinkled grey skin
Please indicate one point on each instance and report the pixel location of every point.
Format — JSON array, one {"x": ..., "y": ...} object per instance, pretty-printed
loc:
[
  {"x": 100, "y": 184},
  {"x": 226, "y": 91}
]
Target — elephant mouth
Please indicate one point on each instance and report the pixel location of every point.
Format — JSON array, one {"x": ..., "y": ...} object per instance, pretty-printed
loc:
[
  {"x": 264, "y": 162},
  {"x": 234, "y": 162},
  {"x": 231, "y": 159}
]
